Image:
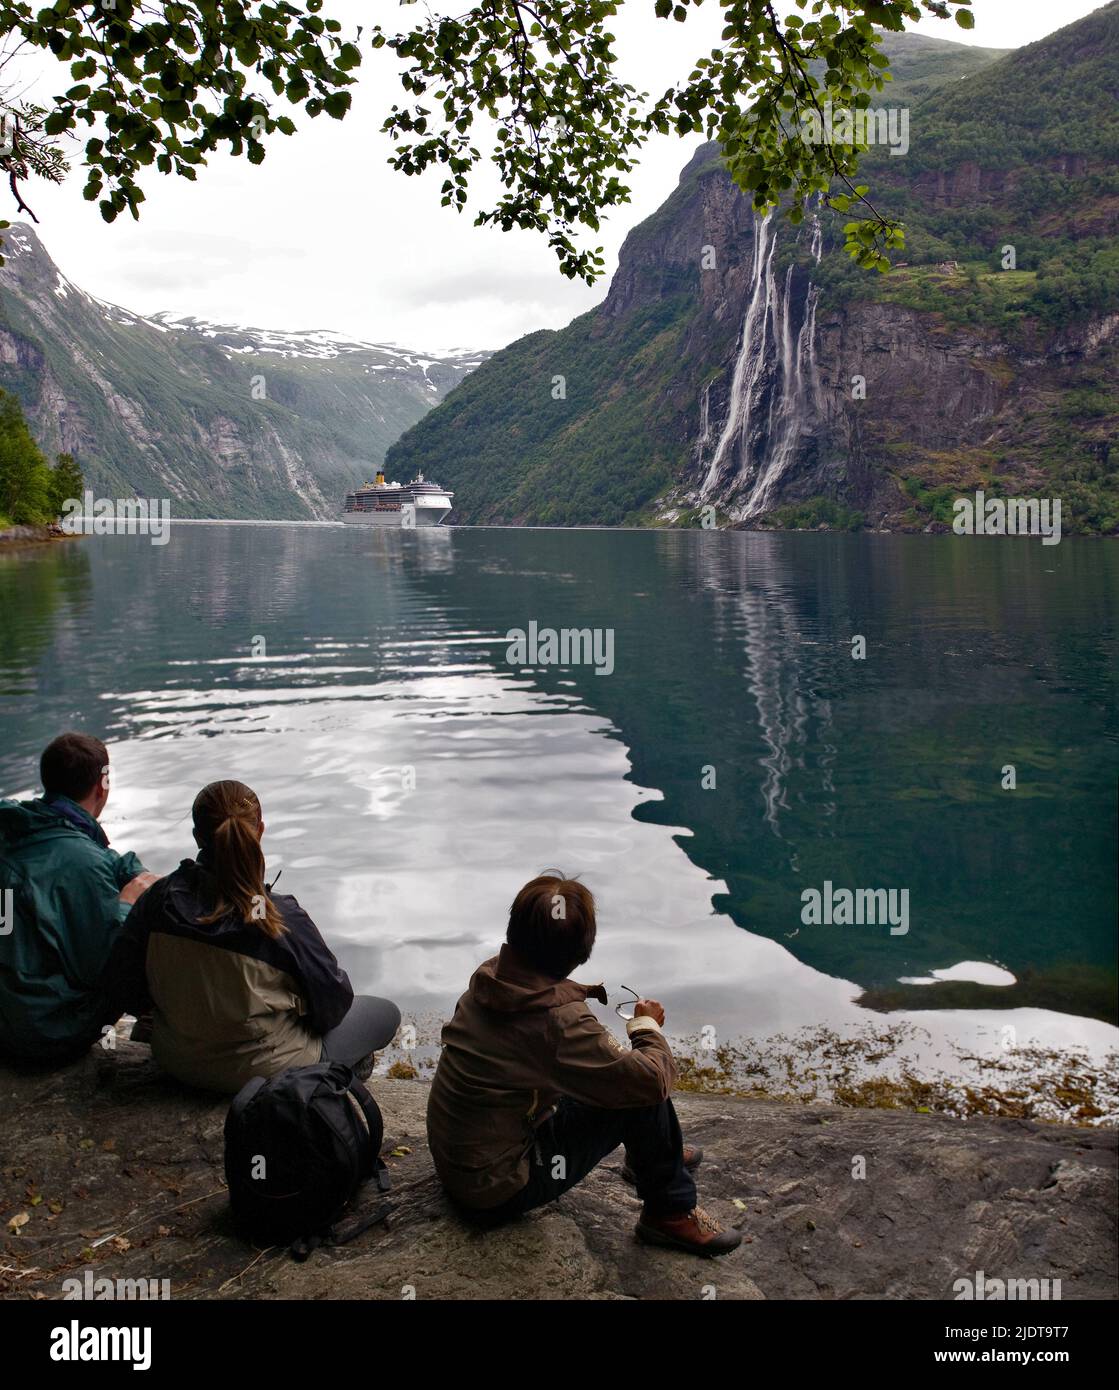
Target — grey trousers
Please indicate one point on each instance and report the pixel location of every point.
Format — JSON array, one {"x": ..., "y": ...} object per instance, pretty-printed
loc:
[{"x": 370, "y": 1026}]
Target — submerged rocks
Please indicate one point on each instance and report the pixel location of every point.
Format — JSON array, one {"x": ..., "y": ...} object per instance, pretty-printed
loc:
[{"x": 118, "y": 1170}]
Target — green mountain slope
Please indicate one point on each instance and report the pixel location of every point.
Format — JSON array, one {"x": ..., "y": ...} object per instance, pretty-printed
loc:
[
  {"x": 224, "y": 421},
  {"x": 976, "y": 375}
]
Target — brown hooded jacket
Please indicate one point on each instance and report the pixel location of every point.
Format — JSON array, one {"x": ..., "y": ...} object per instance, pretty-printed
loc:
[{"x": 517, "y": 1042}]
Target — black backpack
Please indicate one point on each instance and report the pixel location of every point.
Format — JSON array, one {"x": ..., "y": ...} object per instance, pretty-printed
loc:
[{"x": 297, "y": 1148}]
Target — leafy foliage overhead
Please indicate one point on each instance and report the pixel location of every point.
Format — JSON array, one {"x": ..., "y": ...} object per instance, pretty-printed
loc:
[{"x": 162, "y": 85}]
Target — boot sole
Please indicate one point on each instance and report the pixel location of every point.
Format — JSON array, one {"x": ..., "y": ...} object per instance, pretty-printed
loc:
[{"x": 649, "y": 1236}]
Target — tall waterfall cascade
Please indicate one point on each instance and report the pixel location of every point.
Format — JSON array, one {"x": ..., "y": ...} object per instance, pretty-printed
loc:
[{"x": 775, "y": 387}]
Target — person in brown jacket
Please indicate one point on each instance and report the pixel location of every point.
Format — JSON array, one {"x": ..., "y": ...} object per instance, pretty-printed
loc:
[{"x": 531, "y": 1091}]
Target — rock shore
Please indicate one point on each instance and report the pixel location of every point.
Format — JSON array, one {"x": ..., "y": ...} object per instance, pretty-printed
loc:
[{"x": 110, "y": 1167}]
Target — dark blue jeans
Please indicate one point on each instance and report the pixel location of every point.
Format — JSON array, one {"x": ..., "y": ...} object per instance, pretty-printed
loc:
[{"x": 578, "y": 1137}]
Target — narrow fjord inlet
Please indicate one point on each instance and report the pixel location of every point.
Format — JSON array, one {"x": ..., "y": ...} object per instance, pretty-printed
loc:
[{"x": 558, "y": 675}]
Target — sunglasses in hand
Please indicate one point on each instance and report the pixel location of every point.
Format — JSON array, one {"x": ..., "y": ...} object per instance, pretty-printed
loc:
[{"x": 627, "y": 1006}]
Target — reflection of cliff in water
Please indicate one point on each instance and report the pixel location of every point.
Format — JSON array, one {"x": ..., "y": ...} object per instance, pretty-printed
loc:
[
  {"x": 329, "y": 604},
  {"x": 40, "y": 586},
  {"x": 44, "y": 596},
  {"x": 733, "y": 653}
]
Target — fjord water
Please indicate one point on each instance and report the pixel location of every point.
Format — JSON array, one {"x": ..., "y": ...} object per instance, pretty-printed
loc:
[{"x": 412, "y": 778}]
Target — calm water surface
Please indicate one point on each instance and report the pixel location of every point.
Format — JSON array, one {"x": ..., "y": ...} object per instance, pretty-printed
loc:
[{"x": 412, "y": 779}]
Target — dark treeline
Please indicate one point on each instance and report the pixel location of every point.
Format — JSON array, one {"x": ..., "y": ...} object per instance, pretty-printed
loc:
[{"x": 32, "y": 491}]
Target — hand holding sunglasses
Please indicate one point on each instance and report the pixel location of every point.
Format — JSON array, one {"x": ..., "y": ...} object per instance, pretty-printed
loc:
[{"x": 627, "y": 1009}]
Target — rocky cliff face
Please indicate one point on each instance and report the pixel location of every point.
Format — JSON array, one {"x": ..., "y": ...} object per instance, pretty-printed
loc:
[
  {"x": 224, "y": 421},
  {"x": 816, "y": 399},
  {"x": 949, "y": 403},
  {"x": 741, "y": 362}
]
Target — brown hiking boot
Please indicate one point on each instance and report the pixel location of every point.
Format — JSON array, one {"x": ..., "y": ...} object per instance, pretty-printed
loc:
[
  {"x": 695, "y": 1231},
  {"x": 693, "y": 1157}
]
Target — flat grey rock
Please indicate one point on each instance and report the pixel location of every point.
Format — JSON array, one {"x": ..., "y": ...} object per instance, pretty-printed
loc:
[{"x": 109, "y": 1147}]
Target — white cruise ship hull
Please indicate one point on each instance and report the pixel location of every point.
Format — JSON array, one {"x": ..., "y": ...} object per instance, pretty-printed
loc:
[
  {"x": 428, "y": 511},
  {"x": 418, "y": 503}
]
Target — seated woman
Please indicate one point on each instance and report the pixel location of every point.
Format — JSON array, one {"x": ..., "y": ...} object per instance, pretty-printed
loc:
[{"x": 238, "y": 980}]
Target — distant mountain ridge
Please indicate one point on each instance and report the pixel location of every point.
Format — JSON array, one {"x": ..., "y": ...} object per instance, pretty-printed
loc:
[
  {"x": 225, "y": 420},
  {"x": 748, "y": 365},
  {"x": 318, "y": 343}
]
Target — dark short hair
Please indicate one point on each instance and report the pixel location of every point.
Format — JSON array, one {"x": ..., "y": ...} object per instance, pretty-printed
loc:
[
  {"x": 554, "y": 939},
  {"x": 72, "y": 765}
]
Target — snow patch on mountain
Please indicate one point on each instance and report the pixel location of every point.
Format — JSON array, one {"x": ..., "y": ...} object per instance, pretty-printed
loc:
[{"x": 316, "y": 343}]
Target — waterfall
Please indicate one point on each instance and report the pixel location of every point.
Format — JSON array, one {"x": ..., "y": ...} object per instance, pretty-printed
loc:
[
  {"x": 775, "y": 387},
  {"x": 791, "y": 411},
  {"x": 705, "y": 416},
  {"x": 751, "y": 356}
]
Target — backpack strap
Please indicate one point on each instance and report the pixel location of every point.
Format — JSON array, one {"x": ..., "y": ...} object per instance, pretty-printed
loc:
[
  {"x": 244, "y": 1096},
  {"x": 367, "y": 1113},
  {"x": 381, "y": 1173}
]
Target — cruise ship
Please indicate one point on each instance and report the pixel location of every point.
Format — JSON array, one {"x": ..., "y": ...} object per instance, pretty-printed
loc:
[{"x": 417, "y": 503}]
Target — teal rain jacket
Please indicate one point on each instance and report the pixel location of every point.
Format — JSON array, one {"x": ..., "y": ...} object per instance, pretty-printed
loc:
[{"x": 60, "y": 915}]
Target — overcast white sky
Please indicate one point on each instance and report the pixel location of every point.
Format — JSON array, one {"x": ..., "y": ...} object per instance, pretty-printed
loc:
[{"x": 324, "y": 235}]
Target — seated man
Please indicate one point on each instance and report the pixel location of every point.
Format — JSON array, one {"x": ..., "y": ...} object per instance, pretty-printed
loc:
[
  {"x": 531, "y": 1091},
  {"x": 63, "y": 897}
]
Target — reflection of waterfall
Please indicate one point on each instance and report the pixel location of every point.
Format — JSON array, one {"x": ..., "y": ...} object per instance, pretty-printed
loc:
[
  {"x": 775, "y": 387},
  {"x": 783, "y": 666}
]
